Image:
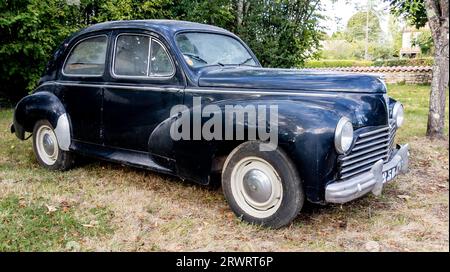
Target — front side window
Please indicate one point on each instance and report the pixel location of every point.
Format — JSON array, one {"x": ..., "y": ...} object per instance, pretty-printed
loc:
[
  {"x": 87, "y": 58},
  {"x": 132, "y": 55},
  {"x": 203, "y": 49},
  {"x": 160, "y": 64},
  {"x": 140, "y": 56}
]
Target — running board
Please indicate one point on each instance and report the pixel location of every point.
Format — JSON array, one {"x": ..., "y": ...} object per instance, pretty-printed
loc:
[{"x": 122, "y": 156}]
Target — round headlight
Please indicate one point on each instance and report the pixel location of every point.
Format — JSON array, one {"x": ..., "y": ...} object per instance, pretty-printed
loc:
[
  {"x": 343, "y": 136},
  {"x": 398, "y": 114}
]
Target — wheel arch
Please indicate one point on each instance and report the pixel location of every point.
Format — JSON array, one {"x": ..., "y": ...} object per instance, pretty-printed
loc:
[
  {"x": 305, "y": 134},
  {"x": 43, "y": 105}
]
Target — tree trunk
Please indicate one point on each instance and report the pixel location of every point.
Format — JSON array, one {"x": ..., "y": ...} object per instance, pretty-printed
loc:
[
  {"x": 437, "y": 13},
  {"x": 239, "y": 13}
]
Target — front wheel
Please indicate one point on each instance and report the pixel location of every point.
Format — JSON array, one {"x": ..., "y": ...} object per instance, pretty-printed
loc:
[
  {"x": 262, "y": 187},
  {"x": 46, "y": 148}
]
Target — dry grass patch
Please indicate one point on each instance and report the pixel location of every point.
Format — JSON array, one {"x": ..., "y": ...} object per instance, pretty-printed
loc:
[{"x": 144, "y": 211}]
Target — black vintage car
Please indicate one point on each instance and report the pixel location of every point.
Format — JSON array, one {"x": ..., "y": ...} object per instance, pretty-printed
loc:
[{"x": 121, "y": 91}]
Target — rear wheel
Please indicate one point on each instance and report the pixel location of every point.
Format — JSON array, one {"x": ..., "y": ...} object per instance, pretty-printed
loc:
[
  {"x": 46, "y": 148},
  {"x": 262, "y": 187}
]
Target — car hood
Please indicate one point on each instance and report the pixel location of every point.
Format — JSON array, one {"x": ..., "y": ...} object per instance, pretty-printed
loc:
[{"x": 289, "y": 80}]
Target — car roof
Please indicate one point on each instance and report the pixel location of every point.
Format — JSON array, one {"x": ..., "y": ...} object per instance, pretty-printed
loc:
[{"x": 161, "y": 26}]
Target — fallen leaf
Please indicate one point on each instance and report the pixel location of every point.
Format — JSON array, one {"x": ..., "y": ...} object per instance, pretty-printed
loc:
[
  {"x": 50, "y": 208},
  {"x": 405, "y": 197}
]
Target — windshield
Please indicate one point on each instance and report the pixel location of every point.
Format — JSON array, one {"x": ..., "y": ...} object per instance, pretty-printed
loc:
[{"x": 203, "y": 49}]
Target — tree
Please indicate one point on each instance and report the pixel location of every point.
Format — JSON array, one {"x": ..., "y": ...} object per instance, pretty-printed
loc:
[
  {"x": 282, "y": 33},
  {"x": 29, "y": 31},
  {"x": 435, "y": 13},
  {"x": 356, "y": 27}
]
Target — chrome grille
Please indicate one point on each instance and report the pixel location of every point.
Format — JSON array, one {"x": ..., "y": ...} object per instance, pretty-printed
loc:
[{"x": 370, "y": 146}]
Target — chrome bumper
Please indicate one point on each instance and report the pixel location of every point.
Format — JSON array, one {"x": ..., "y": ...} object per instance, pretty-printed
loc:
[{"x": 371, "y": 181}]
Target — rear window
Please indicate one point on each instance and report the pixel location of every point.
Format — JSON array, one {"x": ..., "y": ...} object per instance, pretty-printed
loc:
[{"x": 87, "y": 57}]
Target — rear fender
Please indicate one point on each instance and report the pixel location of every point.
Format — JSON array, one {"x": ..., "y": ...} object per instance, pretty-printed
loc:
[{"x": 43, "y": 105}]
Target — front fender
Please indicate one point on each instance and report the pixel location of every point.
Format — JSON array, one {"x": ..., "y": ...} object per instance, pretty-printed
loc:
[
  {"x": 42, "y": 105},
  {"x": 305, "y": 132}
]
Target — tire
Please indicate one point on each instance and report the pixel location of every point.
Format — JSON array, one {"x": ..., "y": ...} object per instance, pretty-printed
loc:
[
  {"x": 248, "y": 174},
  {"x": 48, "y": 154}
]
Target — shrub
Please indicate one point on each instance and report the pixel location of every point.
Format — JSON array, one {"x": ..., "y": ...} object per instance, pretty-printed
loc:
[
  {"x": 405, "y": 62},
  {"x": 336, "y": 63}
]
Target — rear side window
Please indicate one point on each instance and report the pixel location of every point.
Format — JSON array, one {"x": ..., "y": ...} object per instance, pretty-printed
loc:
[
  {"x": 141, "y": 56},
  {"x": 87, "y": 57},
  {"x": 131, "y": 57}
]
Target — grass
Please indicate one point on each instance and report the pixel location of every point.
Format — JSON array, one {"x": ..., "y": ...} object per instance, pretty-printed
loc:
[
  {"x": 101, "y": 206},
  {"x": 36, "y": 226},
  {"x": 415, "y": 99}
]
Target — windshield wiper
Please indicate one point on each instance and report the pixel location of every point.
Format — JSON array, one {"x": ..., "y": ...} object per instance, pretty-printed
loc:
[
  {"x": 245, "y": 61},
  {"x": 196, "y": 57}
]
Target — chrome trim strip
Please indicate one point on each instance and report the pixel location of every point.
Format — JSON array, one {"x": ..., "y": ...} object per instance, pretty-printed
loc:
[
  {"x": 115, "y": 86},
  {"x": 354, "y": 155},
  {"x": 70, "y": 53},
  {"x": 359, "y": 147},
  {"x": 363, "y": 163},
  {"x": 294, "y": 93},
  {"x": 351, "y": 174},
  {"x": 69, "y": 83},
  {"x": 373, "y": 132},
  {"x": 368, "y": 156},
  {"x": 364, "y": 140}
]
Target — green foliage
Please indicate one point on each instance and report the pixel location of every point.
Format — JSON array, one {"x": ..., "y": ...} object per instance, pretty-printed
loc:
[
  {"x": 412, "y": 10},
  {"x": 395, "y": 41},
  {"x": 215, "y": 12},
  {"x": 405, "y": 62},
  {"x": 342, "y": 49},
  {"x": 30, "y": 30},
  {"x": 337, "y": 63},
  {"x": 425, "y": 42},
  {"x": 356, "y": 27},
  {"x": 282, "y": 33}
]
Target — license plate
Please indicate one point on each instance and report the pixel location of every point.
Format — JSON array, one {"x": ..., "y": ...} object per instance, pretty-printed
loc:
[{"x": 391, "y": 173}]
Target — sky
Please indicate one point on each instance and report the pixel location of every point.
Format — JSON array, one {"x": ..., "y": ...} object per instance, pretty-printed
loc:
[{"x": 339, "y": 12}]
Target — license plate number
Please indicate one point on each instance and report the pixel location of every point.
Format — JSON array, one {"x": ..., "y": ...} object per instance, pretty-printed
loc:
[{"x": 391, "y": 173}]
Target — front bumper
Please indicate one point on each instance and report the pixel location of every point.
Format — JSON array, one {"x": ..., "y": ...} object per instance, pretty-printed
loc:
[{"x": 371, "y": 181}]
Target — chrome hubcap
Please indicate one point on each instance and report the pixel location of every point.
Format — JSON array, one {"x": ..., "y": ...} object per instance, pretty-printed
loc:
[
  {"x": 256, "y": 187},
  {"x": 47, "y": 145}
]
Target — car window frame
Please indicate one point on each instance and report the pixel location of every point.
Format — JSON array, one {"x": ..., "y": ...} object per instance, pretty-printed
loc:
[
  {"x": 149, "y": 76},
  {"x": 246, "y": 47},
  {"x": 75, "y": 46}
]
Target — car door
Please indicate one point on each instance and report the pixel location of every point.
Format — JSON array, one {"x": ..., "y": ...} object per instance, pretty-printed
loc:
[
  {"x": 81, "y": 81},
  {"x": 144, "y": 85}
]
